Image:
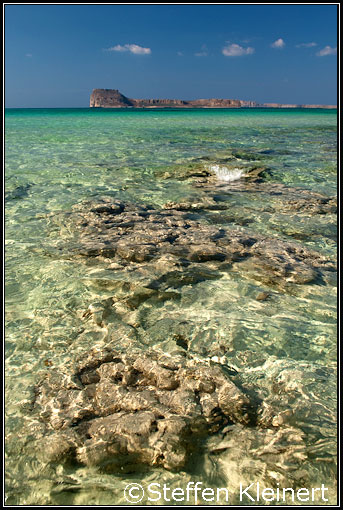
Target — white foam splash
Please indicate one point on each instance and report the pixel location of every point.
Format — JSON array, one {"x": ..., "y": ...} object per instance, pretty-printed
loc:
[{"x": 225, "y": 174}]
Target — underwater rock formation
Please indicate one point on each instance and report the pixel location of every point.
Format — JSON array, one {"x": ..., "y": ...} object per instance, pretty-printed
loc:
[
  {"x": 136, "y": 406},
  {"x": 130, "y": 234},
  {"x": 117, "y": 409}
]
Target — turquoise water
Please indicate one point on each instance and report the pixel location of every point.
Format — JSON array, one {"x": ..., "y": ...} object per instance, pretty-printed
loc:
[{"x": 58, "y": 158}]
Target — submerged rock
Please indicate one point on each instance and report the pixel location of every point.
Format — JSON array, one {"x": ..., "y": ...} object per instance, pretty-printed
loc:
[
  {"x": 173, "y": 246},
  {"x": 237, "y": 173},
  {"x": 119, "y": 409},
  {"x": 207, "y": 171},
  {"x": 18, "y": 193},
  {"x": 262, "y": 296},
  {"x": 315, "y": 204},
  {"x": 120, "y": 412}
]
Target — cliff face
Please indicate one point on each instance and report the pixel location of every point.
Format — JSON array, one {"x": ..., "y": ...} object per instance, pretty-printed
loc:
[
  {"x": 141, "y": 103},
  {"x": 216, "y": 103},
  {"x": 109, "y": 98}
]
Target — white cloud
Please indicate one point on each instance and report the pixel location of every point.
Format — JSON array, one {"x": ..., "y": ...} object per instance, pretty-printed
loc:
[
  {"x": 279, "y": 43},
  {"x": 306, "y": 45},
  {"x": 326, "y": 51},
  {"x": 28, "y": 55},
  {"x": 235, "y": 50},
  {"x": 180, "y": 54},
  {"x": 133, "y": 48},
  {"x": 203, "y": 52}
]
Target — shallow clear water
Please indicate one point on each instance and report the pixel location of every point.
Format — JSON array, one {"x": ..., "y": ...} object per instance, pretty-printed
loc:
[{"x": 58, "y": 158}]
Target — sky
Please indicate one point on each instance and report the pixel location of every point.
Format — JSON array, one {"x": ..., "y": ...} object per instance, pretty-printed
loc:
[{"x": 56, "y": 54}]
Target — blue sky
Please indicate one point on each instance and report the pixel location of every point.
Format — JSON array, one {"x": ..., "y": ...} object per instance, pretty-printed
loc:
[{"x": 56, "y": 54}]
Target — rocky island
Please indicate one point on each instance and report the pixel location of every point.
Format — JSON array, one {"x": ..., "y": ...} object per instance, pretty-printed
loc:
[{"x": 112, "y": 98}]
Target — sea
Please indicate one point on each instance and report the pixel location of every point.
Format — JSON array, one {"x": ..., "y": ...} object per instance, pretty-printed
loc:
[{"x": 277, "y": 334}]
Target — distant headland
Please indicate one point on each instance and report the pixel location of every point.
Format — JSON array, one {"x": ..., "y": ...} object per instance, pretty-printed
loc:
[{"x": 112, "y": 98}]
